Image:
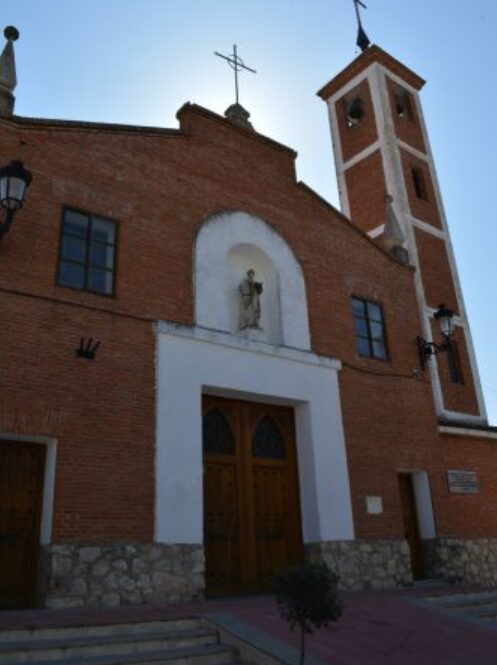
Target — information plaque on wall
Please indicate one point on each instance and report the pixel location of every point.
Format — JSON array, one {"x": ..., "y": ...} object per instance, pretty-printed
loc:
[{"x": 462, "y": 482}]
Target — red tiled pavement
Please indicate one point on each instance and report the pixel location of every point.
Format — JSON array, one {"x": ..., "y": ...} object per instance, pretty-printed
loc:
[
  {"x": 376, "y": 629},
  {"x": 386, "y": 629}
]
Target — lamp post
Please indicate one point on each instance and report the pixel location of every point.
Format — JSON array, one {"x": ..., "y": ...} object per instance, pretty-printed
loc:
[
  {"x": 14, "y": 181},
  {"x": 444, "y": 315}
]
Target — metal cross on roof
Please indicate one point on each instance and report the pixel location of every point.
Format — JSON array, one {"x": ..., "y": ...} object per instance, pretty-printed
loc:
[
  {"x": 237, "y": 64},
  {"x": 362, "y": 39}
]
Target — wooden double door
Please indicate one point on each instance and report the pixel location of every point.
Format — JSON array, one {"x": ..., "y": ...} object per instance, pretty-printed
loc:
[
  {"x": 21, "y": 488},
  {"x": 252, "y": 525}
]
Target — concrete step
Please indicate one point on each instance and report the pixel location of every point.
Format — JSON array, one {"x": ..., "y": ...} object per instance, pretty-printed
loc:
[
  {"x": 53, "y": 649},
  {"x": 431, "y": 583},
  {"x": 464, "y": 600},
  {"x": 215, "y": 654},
  {"x": 99, "y": 630},
  {"x": 173, "y": 642},
  {"x": 203, "y": 655}
]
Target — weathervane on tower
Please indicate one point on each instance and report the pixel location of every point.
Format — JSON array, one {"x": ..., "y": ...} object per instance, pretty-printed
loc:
[
  {"x": 362, "y": 39},
  {"x": 237, "y": 64}
]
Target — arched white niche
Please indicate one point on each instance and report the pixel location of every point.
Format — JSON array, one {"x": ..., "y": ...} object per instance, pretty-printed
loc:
[{"x": 229, "y": 244}]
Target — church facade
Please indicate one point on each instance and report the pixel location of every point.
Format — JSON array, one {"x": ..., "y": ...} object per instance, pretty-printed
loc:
[{"x": 211, "y": 373}]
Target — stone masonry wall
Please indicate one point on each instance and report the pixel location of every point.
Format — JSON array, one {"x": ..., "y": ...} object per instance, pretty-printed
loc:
[
  {"x": 366, "y": 564},
  {"x": 92, "y": 575},
  {"x": 462, "y": 560}
]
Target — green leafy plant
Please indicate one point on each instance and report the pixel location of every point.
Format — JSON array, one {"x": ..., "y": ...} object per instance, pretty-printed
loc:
[{"x": 307, "y": 597}]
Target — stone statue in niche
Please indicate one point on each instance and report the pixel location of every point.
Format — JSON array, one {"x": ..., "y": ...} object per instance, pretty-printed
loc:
[{"x": 250, "y": 305}]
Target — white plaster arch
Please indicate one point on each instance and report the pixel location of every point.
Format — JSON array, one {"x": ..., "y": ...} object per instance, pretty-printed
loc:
[{"x": 227, "y": 245}]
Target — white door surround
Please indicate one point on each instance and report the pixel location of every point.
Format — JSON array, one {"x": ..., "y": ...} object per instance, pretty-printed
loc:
[{"x": 196, "y": 361}]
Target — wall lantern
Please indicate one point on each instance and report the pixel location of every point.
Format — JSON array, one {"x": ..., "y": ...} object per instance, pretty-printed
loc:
[
  {"x": 444, "y": 316},
  {"x": 14, "y": 181}
]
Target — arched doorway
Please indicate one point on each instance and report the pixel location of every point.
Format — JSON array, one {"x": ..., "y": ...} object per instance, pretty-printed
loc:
[{"x": 252, "y": 524}]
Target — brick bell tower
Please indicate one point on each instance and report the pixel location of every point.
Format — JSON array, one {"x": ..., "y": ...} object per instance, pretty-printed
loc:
[{"x": 382, "y": 152}]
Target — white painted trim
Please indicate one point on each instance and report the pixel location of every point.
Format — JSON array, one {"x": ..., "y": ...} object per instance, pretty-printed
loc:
[
  {"x": 217, "y": 275},
  {"x": 244, "y": 344},
  {"x": 353, "y": 83},
  {"x": 424, "y": 313},
  {"x": 413, "y": 151},
  {"x": 392, "y": 168},
  {"x": 395, "y": 182},
  {"x": 424, "y": 505},
  {"x": 48, "y": 481},
  {"x": 338, "y": 157},
  {"x": 398, "y": 80},
  {"x": 192, "y": 362},
  {"x": 336, "y": 142},
  {"x": 458, "y": 416},
  {"x": 466, "y": 431},
  {"x": 370, "y": 150},
  {"x": 457, "y": 320},
  {"x": 428, "y": 228},
  {"x": 374, "y": 233}
]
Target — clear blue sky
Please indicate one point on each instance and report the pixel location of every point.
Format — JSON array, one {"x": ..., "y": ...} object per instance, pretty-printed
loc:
[{"x": 138, "y": 61}]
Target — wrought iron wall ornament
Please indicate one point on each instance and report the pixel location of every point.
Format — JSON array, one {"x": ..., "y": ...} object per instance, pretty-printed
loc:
[
  {"x": 217, "y": 437},
  {"x": 268, "y": 441},
  {"x": 87, "y": 349}
]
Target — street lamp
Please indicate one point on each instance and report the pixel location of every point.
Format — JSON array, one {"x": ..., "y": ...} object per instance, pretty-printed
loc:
[
  {"x": 14, "y": 181},
  {"x": 444, "y": 315}
]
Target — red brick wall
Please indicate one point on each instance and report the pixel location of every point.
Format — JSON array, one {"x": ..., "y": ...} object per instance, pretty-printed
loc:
[
  {"x": 357, "y": 137},
  {"x": 457, "y": 396},
  {"x": 435, "y": 271},
  {"x": 366, "y": 189},
  {"x": 400, "y": 435},
  {"x": 161, "y": 188},
  {"x": 468, "y": 515},
  {"x": 425, "y": 210},
  {"x": 100, "y": 411}
]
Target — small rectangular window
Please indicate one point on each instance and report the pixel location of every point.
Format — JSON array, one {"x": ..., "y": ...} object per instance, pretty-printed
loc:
[
  {"x": 369, "y": 329},
  {"x": 87, "y": 255},
  {"x": 419, "y": 184},
  {"x": 454, "y": 362}
]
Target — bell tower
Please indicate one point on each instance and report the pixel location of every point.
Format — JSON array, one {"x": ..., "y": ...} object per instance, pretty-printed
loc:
[{"x": 382, "y": 152}]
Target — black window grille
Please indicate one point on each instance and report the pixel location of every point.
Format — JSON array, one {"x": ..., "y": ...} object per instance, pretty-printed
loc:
[
  {"x": 217, "y": 437},
  {"x": 268, "y": 441}
]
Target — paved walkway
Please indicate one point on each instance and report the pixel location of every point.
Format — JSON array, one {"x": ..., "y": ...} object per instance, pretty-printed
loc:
[{"x": 397, "y": 628}]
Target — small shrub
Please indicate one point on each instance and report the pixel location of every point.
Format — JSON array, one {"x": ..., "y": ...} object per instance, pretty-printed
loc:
[{"x": 307, "y": 597}]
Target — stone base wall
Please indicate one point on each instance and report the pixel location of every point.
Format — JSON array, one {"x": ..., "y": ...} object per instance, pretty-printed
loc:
[
  {"x": 365, "y": 564},
  {"x": 462, "y": 560},
  {"x": 92, "y": 575}
]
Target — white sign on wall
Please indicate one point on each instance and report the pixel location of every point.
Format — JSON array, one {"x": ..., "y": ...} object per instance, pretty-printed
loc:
[
  {"x": 374, "y": 505},
  {"x": 462, "y": 482}
]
